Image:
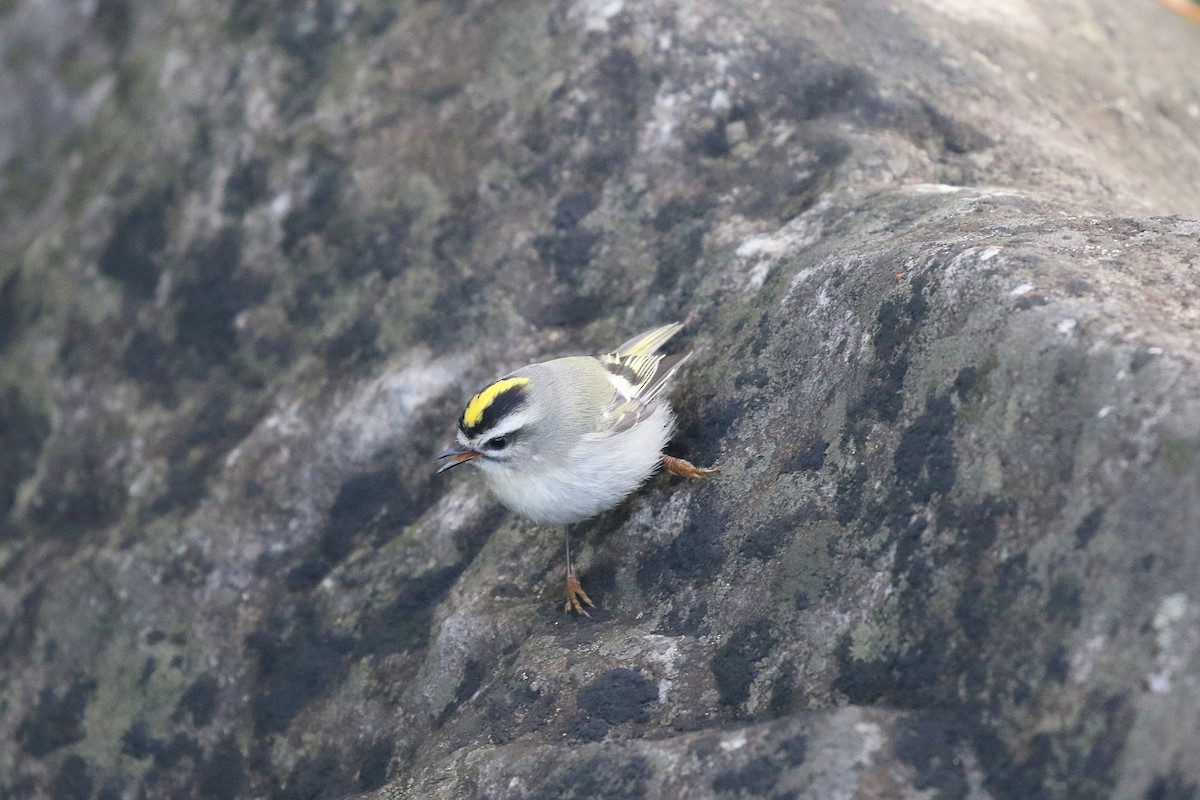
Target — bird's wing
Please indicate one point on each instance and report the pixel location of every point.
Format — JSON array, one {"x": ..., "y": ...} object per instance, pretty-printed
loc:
[{"x": 638, "y": 374}]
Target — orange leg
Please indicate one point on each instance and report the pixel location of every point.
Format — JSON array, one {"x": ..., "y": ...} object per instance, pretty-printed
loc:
[
  {"x": 576, "y": 597},
  {"x": 684, "y": 469},
  {"x": 1187, "y": 8}
]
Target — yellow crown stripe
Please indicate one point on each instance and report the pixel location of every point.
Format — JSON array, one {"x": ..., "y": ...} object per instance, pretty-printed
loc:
[{"x": 480, "y": 402}]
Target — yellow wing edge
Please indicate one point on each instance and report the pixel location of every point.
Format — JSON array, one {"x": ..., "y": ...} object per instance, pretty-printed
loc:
[{"x": 648, "y": 343}]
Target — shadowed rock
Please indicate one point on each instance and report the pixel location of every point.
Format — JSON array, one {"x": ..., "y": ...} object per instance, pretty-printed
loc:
[{"x": 937, "y": 264}]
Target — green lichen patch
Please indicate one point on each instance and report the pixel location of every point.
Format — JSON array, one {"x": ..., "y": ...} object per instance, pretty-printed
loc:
[{"x": 1178, "y": 454}]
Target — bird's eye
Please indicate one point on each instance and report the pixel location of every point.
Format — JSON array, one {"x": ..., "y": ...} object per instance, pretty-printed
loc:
[{"x": 496, "y": 443}]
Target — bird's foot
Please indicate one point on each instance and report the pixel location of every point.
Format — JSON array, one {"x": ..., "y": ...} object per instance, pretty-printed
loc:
[
  {"x": 576, "y": 597},
  {"x": 684, "y": 468}
]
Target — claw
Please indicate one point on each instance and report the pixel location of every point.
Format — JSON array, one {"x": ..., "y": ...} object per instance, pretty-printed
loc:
[
  {"x": 576, "y": 594},
  {"x": 684, "y": 468}
]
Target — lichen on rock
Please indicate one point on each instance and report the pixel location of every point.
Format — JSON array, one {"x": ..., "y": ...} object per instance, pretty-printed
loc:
[{"x": 936, "y": 268}]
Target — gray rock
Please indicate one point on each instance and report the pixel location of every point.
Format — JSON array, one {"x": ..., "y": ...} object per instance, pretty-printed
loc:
[{"x": 937, "y": 266}]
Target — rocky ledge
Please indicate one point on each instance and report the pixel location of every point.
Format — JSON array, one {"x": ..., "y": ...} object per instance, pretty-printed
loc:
[{"x": 939, "y": 268}]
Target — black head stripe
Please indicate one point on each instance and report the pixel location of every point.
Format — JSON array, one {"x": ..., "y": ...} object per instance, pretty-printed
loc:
[{"x": 501, "y": 406}]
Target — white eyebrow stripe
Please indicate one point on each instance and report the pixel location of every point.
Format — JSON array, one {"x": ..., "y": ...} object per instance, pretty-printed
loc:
[{"x": 511, "y": 423}]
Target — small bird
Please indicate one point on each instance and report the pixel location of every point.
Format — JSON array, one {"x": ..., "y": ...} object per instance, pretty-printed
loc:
[{"x": 564, "y": 440}]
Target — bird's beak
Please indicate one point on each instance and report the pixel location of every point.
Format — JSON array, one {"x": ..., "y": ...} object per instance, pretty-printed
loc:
[{"x": 457, "y": 455}]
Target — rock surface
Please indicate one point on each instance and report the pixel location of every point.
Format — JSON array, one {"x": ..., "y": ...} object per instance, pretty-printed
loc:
[{"x": 939, "y": 263}]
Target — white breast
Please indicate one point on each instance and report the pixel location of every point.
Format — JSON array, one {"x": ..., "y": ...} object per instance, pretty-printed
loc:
[{"x": 600, "y": 473}]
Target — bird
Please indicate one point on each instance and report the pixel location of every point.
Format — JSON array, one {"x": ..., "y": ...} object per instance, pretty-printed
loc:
[{"x": 561, "y": 441}]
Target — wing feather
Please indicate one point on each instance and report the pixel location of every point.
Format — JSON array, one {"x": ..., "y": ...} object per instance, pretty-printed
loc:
[
  {"x": 649, "y": 342},
  {"x": 638, "y": 374}
]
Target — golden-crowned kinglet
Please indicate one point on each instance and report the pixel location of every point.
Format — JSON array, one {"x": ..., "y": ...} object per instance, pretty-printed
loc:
[{"x": 564, "y": 440}]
